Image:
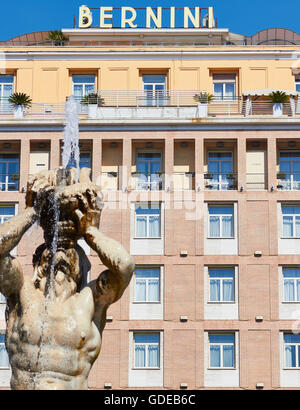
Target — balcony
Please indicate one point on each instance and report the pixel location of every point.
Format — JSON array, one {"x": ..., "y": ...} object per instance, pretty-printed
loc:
[
  {"x": 169, "y": 105},
  {"x": 221, "y": 181},
  {"x": 288, "y": 181},
  {"x": 147, "y": 182}
]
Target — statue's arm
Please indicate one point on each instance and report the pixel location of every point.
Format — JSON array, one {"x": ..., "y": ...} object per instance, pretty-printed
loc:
[
  {"x": 11, "y": 232},
  {"x": 111, "y": 284}
]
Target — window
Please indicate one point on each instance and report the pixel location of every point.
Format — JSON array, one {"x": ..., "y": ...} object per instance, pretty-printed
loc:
[
  {"x": 6, "y": 212},
  {"x": 221, "y": 351},
  {"x": 290, "y": 170},
  {"x": 4, "y": 361},
  {"x": 9, "y": 172},
  {"x": 6, "y": 89},
  {"x": 146, "y": 350},
  {"x": 83, "y": 85},
  {"x": 292, "y": 350},
  {"x": 148, "y": 221},
  {"x": 84, "y": 162},
  {"x": 291, "y": 284},
  {"x": 221, "y": 285},
  {"x": 224, "y": 86},
  {"x": 147, "y": 285},
  {"x": 148, "y": 167},
  {"x": 220, "y": 221},
  {"x": 291, "y": 221},
  {"x": 154, "y": 87},
  {"x": 220, "y": 166}
]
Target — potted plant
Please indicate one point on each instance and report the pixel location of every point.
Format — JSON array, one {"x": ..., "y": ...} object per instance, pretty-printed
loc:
[
  {"x": 203, "y": 98},
  {"x": 281, "y": 175},
  {"x": 57, "y": 37},
  {"x": 230, "y": 176},
  {"x": 93, "y": 101},
  {"x": 278, "y": 98},
  {"x": 20, "y": 102}
]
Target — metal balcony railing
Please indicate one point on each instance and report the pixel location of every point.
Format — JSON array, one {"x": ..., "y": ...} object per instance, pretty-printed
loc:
[
  {"x": 147, "y": 182},
  {"x": 220, "y": 181},
  {"x": 288, "y": 181},
  {"x": 139, "y": 104}
]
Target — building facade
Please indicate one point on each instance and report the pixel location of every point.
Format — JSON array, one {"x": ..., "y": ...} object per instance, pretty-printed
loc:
[{"x": 208, "y": 203}]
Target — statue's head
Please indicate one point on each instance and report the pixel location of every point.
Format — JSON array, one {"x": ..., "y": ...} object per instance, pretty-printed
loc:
[
  {"x": 65, "y": 206},
  {"x": 63, "y": 269}
]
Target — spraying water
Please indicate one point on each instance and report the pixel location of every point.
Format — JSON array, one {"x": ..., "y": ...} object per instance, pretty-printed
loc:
[
  {"x": 70, "y": 152},
  {"x": 71, "y": 135}
]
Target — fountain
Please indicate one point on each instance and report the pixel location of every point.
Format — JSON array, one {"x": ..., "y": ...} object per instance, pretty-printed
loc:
[{"x": 55, "y": 319}]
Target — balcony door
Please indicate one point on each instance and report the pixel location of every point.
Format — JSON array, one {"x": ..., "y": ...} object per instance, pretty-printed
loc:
[
  {"x": 6, "y": 90},
  {"x": 149, "y": 166},
  {"x": 9, "y": 172},
  {"x": 224, "y": 87},
  {"x": 154, "y": 88},
  {"x": 220, "y": 168},
  {"x": 290, "y": 168}
]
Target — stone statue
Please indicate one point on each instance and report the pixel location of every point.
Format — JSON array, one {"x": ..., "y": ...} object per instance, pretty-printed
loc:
[{"x": 55, "y": 319}]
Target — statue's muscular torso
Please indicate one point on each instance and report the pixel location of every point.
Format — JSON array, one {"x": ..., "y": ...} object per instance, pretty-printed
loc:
[{"x": 51, "y": 344}]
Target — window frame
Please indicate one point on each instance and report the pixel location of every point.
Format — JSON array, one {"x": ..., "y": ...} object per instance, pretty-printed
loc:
[
  {"x": 7, "y": 205},
  {"x": 3, "y": 344},
  {"x": 147, "y": 216},
  {"x": 297, "y": 355},
  {"x": 221, "y": 367},
  {"x": 221, "y": 221},
  {"x": 291, "y": 161},
  {"x": 3, "y": 83},
  {"x": 17, "y": 160},
  {"x": 294, "y": 279},
  {"x": 221, "y": 301},
  {"x": 83, "y": 84},
  {"x": 224, "y": 82},
  {"x": 147, "y": 344},
  {"x": 149, "y": 181},
  {"x": 147, "y": 286},
  {"x": 220, "y": 183},
  {"x": 294, "y": 220},
  {"x": 158, "y": 96}
]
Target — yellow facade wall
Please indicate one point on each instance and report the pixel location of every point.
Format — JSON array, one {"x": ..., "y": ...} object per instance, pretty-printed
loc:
[{"x": 50, "y": 80}]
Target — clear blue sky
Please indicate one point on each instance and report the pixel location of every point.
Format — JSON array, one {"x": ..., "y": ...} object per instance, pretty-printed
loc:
[{"x": 240, "y": 16}]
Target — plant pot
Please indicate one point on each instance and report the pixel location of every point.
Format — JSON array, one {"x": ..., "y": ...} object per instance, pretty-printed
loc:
[
  {"x": 202, "y": 110},
  {"x": 277, "y": 109},
  {"x": 92, "y": 110},
  {"x": 18, "y": 112}
]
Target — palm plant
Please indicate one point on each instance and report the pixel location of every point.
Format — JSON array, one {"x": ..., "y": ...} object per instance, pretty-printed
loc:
[
  {"x": 92, "y": 98},
  {"x": 203, "y": 97},
  {"x": 20, "y": 99},
  {"x": 279, "y": 97},
  {"x": 57, "y": 37}
]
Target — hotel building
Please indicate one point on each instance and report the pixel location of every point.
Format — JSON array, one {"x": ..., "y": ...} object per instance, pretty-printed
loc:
[{"x": 206, "y": 197}]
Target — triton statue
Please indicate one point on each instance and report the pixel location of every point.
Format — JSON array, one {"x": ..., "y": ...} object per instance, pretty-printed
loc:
[{"x": 55, "y": 319}]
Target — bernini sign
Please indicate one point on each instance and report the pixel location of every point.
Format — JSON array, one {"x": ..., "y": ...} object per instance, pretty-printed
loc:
[{"x": 153, "y": 17}]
